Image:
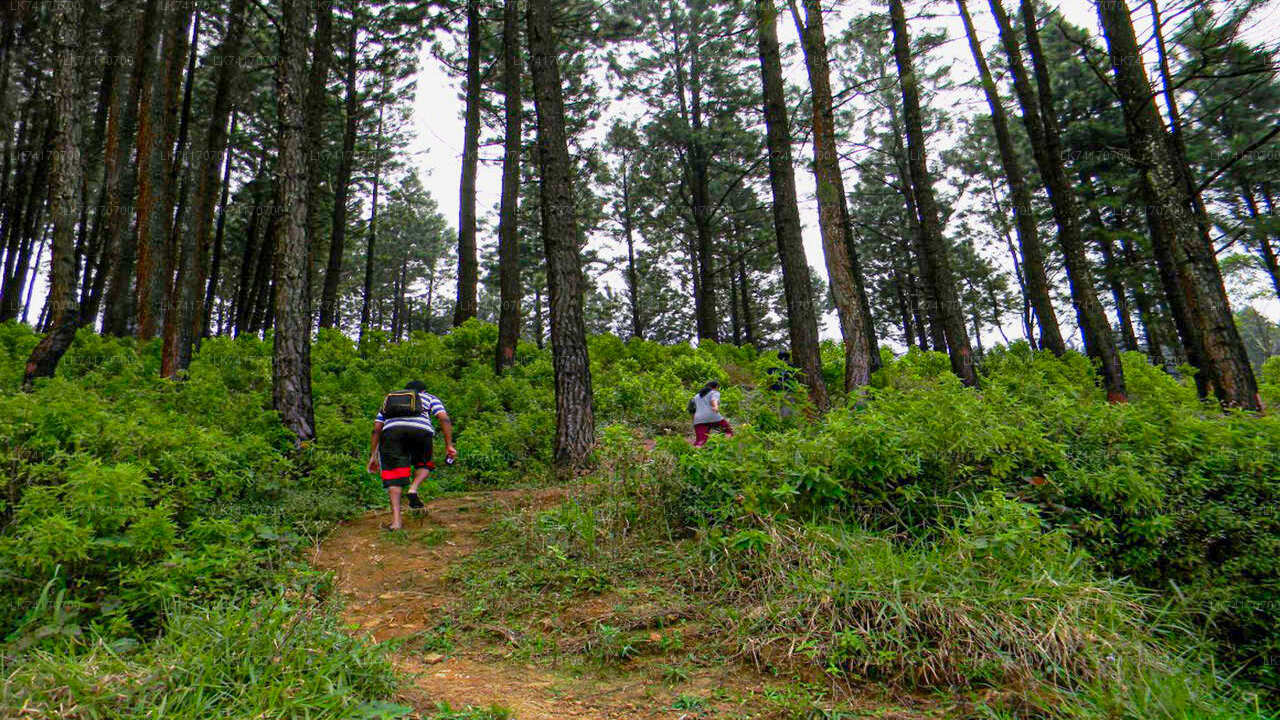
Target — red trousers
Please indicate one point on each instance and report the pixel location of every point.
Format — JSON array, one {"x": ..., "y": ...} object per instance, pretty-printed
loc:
[{"x": 702, "y": 430}]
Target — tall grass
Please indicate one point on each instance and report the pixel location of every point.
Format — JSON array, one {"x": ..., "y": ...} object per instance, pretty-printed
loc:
[{"x": 278, "y": 657}]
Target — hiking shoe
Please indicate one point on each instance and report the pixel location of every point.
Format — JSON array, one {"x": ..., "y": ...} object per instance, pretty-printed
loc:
[{"x": 415, "y": 502}]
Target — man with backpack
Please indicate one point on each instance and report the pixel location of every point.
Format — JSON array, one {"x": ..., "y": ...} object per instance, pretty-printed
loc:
[{"x": 402, "y": 443}]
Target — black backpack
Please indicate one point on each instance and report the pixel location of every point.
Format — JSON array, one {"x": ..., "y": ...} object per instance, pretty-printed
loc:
[
  {"x": 692, "y": 407},
  {"x": 402, "y": 403}
]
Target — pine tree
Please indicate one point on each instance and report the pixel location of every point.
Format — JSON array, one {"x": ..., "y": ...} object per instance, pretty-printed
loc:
[
  {"x": 291, "y": 355},
  {"x": 1032, "y": 268},
  {"x": 933, "y": 248},
  {"x": 802, "y": 322},
  {"x": 508, "y": 214},
  {"x": 575, "y": 420},
  {"x": 1188, "y": 268},
  {"x": 65, "y": 179},
  {"x": 468, "y": 267}
]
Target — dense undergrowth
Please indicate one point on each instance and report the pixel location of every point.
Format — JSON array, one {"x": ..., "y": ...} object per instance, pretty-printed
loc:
[{"x": 1028, "y": 538}]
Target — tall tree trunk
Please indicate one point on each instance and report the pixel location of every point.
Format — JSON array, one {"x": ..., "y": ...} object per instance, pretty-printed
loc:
[
  {"x": 1113, "y": 272},
  {"x": 930, "y": 323},
  {"x": 508, "y": 230},
  {"x": 291, "y": 352},
  {"x": 1179, "y": 146},
  {"x": 35, "y": 270},
  {"x": 371, "y": 238},
  {"x": 215, "y": 264},
  {"x": 183, "y": 323},
  {"x": 342, "y": 186},
  {"x": 628, "y": 231},
  {"x": 539, "y": 328},
  {"x": 575, "y": 420},
  {"x": 861, "y": 356},
  {"x": 109, "y": 97},
  {"x": 696, "y": 166},
  {"x": 65, "y": 182},
  {"x": 1193, "y": 276},
  {"x": 802, "y": 323},
  {"x": 155, "y": 144},
  {"x": 735, "y": 318},
  {"x": 317, "y": 89},
  {"x": 265, "y": 272},
  {"x": 1153, "y": 322},
  {"x": 744, "y": 290},
  {"x": 10, "y": 230},
  {"x": 241, "y": 307},
  {"x": 1033, "y": 272},
  {"x": 909, "y": 276},
  {"x": 113, "y": 283},
  {"x": 933, "y": 245},
  {"x": 468, "y": 266},
  {"x": 1041, "y": 121},
  {"x": 28, "y": 227}
]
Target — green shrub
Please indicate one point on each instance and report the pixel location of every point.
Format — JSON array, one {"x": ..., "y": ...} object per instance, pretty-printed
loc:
[{"x": 275, "y": 657}]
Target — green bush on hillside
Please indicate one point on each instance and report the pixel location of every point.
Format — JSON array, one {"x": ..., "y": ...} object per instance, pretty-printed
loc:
[
  {"x": 125, "y": 492},
  {"x": 1164, "y": 489}
]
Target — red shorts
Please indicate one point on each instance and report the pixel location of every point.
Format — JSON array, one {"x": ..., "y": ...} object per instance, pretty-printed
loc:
[
  {"x": 702, "y": 430},
  {"x": 400, "y": 450}
]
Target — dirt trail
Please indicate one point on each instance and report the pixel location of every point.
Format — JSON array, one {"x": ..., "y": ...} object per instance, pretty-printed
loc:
[{"x": 395, "y": 586}]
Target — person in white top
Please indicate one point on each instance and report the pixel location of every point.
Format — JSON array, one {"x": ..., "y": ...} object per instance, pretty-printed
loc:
[{"x": 706, "y": 414}]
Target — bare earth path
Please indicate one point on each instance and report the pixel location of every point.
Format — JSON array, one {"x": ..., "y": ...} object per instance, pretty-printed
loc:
[{"x": 395, "y": 587}]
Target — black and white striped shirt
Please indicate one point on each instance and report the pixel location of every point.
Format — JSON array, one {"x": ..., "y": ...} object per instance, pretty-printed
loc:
[{"x": 431, "y": 406}]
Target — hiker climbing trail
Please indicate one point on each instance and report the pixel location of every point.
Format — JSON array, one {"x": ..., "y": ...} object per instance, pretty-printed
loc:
[{"x": 395, "y": 585}]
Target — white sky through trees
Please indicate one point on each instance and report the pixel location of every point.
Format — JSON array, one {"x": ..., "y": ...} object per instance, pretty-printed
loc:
[{"x": 437, "y": 120}]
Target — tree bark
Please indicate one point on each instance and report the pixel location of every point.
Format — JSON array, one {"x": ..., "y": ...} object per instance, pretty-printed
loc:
[
  {"x": 89, "y": 243},
  {"x": 215, "y": 264},
  {"x": 1113, "y": 272},
  {"x": 342, "y": 187},
  {"x": 316, "y": 147},
  {"x": 744, "y": 291},
  {"x": 158, "y": 109},
  {"x": 575, "y": 420},
  {"x": 1033, "y": 272},
  {"x": 241, "y": 307},
  {"x": 1190, "y": 271},
  {"x": 628, "y": 232},
  {"x": 65, "y": 183},
  {"x": 508, "y": 229},
  {"x": 14, "y": 201},
  {"x": 291, "y": 352},
  {"x": 933, "y": 245},
  {"x": 930, "y": 323},
  {"x": 264, "y": 273},
  {"x": 802, "y": 323},
  {"x": 183, "y": 323},
  {"x": 1154, "y": 324},
  {"x": 861, "y": 356},
  {"x": 371, "y": 238},
  {"x": 468, "y": 266},
  {"x": 696, "y": 168},
  {"x": 1041, "y": 121},
  {"x": 113, "y": 283}
]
